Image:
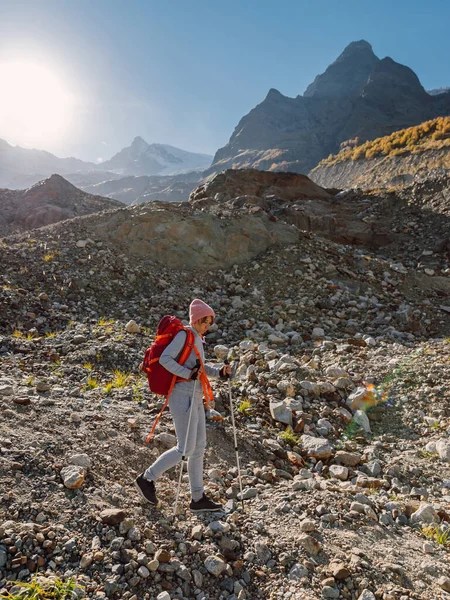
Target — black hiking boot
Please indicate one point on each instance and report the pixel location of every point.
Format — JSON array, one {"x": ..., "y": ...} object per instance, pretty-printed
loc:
[
  {"x": 204, "y": 505},
  {"x": 147, "y": 489}
]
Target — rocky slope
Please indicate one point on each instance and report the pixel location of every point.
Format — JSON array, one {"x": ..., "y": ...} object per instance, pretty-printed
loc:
[
  {"x": 48, "y": 201},
  {"x": 341, "y": 403},
  {"x": 358, "y": 95},
  {"x": 391, "y": 160},
  {"x": 382, "y": 171}
]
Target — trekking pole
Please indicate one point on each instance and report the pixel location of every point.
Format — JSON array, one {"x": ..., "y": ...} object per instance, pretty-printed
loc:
[
  {"x": 226, "y": 361},
  {"x": 197, "y": 364}
]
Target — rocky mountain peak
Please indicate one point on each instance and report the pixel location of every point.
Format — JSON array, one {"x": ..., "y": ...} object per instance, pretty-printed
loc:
[
  {"x": 54, "y": 186},
  {"x": 357, "y": 96},
  {"x": 274, "y": 94},
  {"x": 348, "y": 74},
  {"x": 356, "y": 49},
  {"x": 392, "y": 78},
  {"x": 139, "y": 144}
]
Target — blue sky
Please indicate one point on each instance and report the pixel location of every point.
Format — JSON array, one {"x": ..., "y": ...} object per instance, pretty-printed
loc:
[{"x": 184, "y": 72}]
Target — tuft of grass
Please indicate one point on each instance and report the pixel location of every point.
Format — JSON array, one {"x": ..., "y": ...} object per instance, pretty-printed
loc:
[
  {"x": 18, "y": 334},
  {"x": 51, "y": 334},
  {"x": 91, "y": 384},
  {"x": 245, "y": 406},
  {"x": 437, "y": 533},
  {"x": 44, "y": 589},
  {"x": 138, "y": 396},
  {"x": 30, "y": 381},
  {"x": 87, "y": 366},
  {"x": 121, "y": 379},
  {"x": 108, "y": 388},
  {"x": 289, "y": 436},
  {"x": 51, "y": 256},
  {"x": 427, "y": 454},
  {"x": 104, "y": 322}
]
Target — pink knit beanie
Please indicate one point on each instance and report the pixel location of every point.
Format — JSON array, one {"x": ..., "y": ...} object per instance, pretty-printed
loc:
[{"x": 199, "y": 309}]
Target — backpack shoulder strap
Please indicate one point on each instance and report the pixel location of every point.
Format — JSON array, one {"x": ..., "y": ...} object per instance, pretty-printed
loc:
[{"x": 188, "y": 347}]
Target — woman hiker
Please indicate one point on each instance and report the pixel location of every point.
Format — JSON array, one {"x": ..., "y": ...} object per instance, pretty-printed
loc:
[{"x": 201, "y": 317}]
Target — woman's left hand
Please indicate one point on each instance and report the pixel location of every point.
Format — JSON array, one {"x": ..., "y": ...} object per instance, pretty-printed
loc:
[{"x": 225, "y": 371}]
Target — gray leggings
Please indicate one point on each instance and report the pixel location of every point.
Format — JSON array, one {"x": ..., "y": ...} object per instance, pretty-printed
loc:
[{"x": 193, "y": 447}]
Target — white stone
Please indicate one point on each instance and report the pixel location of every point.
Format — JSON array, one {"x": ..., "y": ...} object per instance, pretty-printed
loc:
[
  {"x": 425, "y": 514},
  {"x": 339, "y": 472},
  {"x": 318, "y": 332},
  {"x": 297, "y": 572},
  {"x": 316, "y": 447},
  {"x": 335, "y": 372},
  {"x": 220, "y": 351},
  {"x": 143, "y": 572},
  {"x": 163, "y": 596},
  {"x": 443, "y": 449},
  {"x": 367, "y": 595},
  {"x": 246, "y": 345},
  {"x": 431, "y": 447},
  {"x": 362, "y": 420},
  {"x": 281, "y": 411},
  {"x": 132, "y": 327}
]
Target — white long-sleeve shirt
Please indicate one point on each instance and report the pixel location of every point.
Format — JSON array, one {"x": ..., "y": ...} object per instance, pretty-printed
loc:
[{"x": 168, "y": 360}]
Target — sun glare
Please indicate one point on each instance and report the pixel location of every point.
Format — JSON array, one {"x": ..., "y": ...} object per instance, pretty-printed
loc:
[{"x": 35, "y": 105}]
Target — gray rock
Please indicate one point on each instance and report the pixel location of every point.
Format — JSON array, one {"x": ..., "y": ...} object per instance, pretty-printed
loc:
[
  {"x": 425, "y": 514},
  {"x": 316, "y": 447},
  {"x": 73, "y": 476},
  {"x": 215, "y": 565},
  {"x": 81, "y": 460},
  {"x": 281, "y": 411},
  {"x": 262, "y": 552},
  {"x": 367, "y": 595},
  {"x": 297, "y": 572},
  {"x": 444, "y": 583},
  {"x": 330, "y": 592},
  {"x": 443, "y": 449}
]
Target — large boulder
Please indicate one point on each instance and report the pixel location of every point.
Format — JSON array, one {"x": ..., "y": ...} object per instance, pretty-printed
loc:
[{"x": 201, "y": 241}]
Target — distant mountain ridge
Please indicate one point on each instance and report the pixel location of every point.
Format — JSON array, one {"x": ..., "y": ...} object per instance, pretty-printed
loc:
[
  {"x": 142, "y": 158},
  {"x": 358, "y": 95},
  {"x": 22, "y": 167}
]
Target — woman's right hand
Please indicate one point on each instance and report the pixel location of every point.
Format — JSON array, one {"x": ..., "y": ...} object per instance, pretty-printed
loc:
[{"x": 196, "y": 372}]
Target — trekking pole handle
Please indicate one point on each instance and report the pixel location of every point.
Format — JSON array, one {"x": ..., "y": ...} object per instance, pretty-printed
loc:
[
  {"x": 233, "y": 368},
  {"x": 196, "y": 369},
  {"x": 227, "y": 362}
]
